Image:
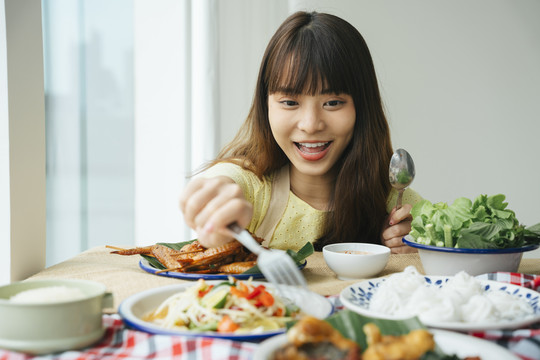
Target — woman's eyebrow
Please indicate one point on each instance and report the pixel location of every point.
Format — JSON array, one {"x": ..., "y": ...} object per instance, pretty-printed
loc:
[
  {"x": 330, "y": 92},
  {"x": 285, "y": 90},
  {"x": 291, "y": 91}
]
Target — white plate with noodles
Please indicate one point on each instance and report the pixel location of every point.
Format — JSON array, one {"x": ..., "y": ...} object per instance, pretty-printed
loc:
[
  {"x": 449, "y": 342},
  {"x": 252, "y": 315},
  {"x": 483, "y": 304}
]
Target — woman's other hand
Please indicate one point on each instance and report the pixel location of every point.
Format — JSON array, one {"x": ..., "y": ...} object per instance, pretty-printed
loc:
[
  {"x": 397, "y": 225},
  {"x": 210, "y": 204}
]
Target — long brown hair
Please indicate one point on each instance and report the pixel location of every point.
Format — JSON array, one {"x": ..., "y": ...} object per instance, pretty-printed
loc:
[{"x": 308, "y": 53}]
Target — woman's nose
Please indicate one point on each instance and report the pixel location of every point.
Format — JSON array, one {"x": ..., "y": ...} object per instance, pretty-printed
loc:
[{"x": 311, "y": 120}]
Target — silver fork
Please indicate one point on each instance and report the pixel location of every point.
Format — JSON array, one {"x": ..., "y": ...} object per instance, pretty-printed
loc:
[{"x": 276, "y": 266}]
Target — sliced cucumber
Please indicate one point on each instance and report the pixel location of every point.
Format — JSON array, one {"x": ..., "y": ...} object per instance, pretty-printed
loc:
[
  {"x": 212, "y": 326},
  {"x": 228, "y": 283},
  {"x": 215, "y": 299},
  {"x": 291, "y": 309}
]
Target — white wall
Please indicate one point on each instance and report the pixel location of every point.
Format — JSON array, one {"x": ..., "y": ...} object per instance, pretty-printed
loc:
[
  {"x": 246, "y": 27},
  {"x": 461, "y": 84}
]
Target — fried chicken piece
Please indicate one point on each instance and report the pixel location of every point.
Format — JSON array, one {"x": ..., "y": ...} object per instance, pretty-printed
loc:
[
  {"x": 410, "y": 346},
  {"x": 311, "y": 338},
  {"x": 237, "y": 267},
  {"x": 165, "y": 255}
]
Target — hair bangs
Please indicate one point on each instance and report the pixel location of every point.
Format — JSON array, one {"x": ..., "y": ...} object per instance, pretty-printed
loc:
[{"x": 305, "y": 66}]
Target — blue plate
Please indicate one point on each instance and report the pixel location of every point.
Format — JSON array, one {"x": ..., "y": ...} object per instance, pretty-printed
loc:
[
  {"x": 146, "y": 266},
  {"x": 409, "y": 241},
  {"x": 135, "y": 307}
]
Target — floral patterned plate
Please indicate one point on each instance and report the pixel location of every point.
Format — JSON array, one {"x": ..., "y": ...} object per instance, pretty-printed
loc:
[{"x": 357, "y": 297}]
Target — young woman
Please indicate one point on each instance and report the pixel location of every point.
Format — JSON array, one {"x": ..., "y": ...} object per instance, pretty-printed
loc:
[{"x": 310, "y": 163}]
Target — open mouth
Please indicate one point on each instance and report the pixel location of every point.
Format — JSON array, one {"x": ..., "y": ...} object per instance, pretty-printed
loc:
[
  {"x": 313, "y": 148},
  {"x": 313, "y": 151}
]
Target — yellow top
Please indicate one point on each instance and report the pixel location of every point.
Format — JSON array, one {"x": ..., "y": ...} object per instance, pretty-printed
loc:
[{"x": 300, "y": 222}]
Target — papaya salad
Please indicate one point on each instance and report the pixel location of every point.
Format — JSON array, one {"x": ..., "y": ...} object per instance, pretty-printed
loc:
[{"x": 231, "y": 306}]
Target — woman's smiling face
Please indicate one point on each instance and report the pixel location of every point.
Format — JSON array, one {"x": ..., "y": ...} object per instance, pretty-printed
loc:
[{"x": 313, "y": 131}]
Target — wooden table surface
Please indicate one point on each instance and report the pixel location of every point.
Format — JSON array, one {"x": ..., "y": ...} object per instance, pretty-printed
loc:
[{"x": 124, "y": 277}]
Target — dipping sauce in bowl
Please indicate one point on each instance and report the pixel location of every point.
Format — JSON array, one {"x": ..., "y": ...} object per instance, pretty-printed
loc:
[
  {"x": 356, "y": 260},
  {"x": 356, "y": 252}
]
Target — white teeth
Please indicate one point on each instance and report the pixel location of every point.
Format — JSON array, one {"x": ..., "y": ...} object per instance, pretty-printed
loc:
[{"x": 313, "y": 145}]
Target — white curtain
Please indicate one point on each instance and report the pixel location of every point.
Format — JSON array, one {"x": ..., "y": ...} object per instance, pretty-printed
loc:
[
  {"x": 195, "y": 69},
  {"x": 176, "y": 108},
  {"x": 89, "y": 121},
  {"x": 140, "y": 94}
]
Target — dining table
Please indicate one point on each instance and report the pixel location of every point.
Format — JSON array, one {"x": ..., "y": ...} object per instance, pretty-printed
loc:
[{"x": 124, "y": 276}]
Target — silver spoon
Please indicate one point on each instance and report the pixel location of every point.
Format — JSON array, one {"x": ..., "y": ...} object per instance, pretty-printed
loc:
[{"x": 401, "y": 172}]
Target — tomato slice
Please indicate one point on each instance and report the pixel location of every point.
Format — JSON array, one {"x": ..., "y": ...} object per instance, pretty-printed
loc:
[
  {"x": 226, "y": 325},
  {"x": 239, "y": 293},
  {"x": 279, "y": 312},
  {"x": 266, "y": 298}
]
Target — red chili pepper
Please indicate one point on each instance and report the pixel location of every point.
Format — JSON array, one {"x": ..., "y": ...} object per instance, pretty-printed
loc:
[
  {"x": 206, "y": 291},
  {"x": 255, "y": 292}
]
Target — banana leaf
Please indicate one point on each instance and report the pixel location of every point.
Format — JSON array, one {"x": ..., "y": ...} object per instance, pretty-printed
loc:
[{"x": 298, "y": 257}]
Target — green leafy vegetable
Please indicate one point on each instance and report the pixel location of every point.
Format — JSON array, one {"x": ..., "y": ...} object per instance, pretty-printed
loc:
[
  {"x": 404, "y": 177},
  {"x": 299, "y": 257},
  {"x": 486, "y": 223}
]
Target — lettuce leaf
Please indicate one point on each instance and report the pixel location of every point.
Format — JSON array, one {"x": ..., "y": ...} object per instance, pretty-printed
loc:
[{"x": 485, "y": 223}]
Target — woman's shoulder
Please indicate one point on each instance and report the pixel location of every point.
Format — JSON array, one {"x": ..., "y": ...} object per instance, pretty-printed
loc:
[
  {"x": 223, "y": 169},
  {"x": 243, "y": 177}
]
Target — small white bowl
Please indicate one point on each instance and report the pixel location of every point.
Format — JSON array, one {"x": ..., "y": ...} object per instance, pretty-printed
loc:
[
  {"x": 438, "y": 260},
  {"x": 47, "y": 327},
  {"x": 356, "y": 260}
]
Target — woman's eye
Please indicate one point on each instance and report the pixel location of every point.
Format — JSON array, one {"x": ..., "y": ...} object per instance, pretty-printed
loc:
[
  {"x": 334, "y": 103},
  {"x": 289, "y": 103}
]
